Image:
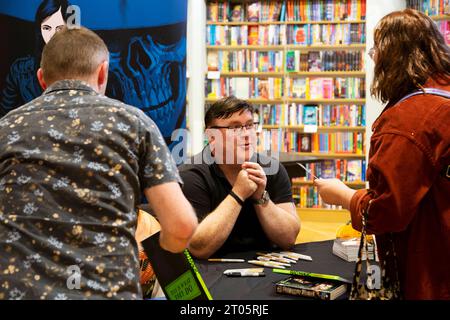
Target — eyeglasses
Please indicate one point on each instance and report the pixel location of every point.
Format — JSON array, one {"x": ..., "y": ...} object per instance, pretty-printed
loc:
[
  {"x": 371, "y": 52},
  {"x": 238, "y": 128}
]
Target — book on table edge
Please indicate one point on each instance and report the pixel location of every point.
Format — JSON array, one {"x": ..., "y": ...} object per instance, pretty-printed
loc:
[
  {"x": 347, "y": 249},
  {"x": 176, "y": 272},
  {"x": 312, "y": 287}
]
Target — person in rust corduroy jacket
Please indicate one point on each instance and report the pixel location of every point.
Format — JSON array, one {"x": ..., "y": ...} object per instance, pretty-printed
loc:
[{"x": 409, "y": 157}]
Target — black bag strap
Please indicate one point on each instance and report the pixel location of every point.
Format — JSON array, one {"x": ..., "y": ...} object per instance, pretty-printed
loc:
[{"x": 390, "y": 286}]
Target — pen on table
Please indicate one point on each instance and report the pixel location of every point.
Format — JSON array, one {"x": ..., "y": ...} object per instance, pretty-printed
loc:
[
  {"x": 266, "y": 264},
  {"x": 268, "y": 259},
  {"x": 310, "y": 274},
  {"x": 307, "y": 170},
  {"x": 281, "y": 258},
  {"x": 277, "y": 257},
  {"x": 298, "y": 255},
  {"x": 226, "y": 260},
  {"x": 244, "y": 274}
]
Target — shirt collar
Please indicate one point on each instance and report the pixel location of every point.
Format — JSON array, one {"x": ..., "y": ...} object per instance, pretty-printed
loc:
[{"x": 69, "y": 85}]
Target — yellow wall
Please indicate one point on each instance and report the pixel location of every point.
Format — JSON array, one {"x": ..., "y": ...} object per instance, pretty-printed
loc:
[{"x": 319, "y": 224}]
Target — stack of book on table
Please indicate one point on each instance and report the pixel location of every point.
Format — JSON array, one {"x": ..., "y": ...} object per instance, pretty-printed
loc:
[{"x": 347, "y": 249}]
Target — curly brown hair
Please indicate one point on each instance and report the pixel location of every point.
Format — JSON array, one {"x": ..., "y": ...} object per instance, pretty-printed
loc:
[{"x": 409, "y": 49}]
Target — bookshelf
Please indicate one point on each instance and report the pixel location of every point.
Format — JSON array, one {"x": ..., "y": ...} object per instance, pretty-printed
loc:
[
  {"x": 438, "y": 10},
  {"x": 284, "y": 55}
]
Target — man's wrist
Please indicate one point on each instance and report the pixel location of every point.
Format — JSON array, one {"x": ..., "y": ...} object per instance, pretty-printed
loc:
[
  {"x": 263, "y": 200},
  {"x": 237, "y": 198}
]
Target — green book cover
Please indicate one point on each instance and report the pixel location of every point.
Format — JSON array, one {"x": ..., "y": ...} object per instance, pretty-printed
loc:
[{"x": 176, "y": 272}]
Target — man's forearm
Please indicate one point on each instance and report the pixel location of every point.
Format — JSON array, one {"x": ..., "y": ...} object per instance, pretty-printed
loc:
[
  {"x": 172, "y": 243},
  {"x": 280, "y": 225},
  {"x": 214, "y": 230}
]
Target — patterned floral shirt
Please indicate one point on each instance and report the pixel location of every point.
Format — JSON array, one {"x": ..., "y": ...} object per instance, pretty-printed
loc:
[{"x": 73, "y": 164}]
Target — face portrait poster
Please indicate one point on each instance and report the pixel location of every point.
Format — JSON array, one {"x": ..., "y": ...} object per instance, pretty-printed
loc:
[{"x": 146, "y": 40}]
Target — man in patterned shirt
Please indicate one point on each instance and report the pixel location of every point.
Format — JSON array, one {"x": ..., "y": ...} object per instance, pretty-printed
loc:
[{"x": 73, "y": 164}]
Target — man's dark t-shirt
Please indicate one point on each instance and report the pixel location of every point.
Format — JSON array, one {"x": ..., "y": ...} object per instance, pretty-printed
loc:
[{"x": 206, "y": 187}]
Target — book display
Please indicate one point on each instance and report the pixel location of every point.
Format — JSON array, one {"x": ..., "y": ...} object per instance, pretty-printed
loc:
[
  {"x": 301, "y": 63},
  {"x": 438, "y": 10}
]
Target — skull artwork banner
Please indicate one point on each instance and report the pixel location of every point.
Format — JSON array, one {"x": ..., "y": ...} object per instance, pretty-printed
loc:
[{"x": 146, "y": 40}]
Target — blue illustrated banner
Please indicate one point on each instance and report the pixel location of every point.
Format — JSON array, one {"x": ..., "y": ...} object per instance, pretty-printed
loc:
[{"x": 147, "y": 43}]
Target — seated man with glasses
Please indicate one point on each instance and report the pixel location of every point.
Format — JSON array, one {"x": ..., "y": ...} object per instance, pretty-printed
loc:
[{"x": 242, "y": 203}]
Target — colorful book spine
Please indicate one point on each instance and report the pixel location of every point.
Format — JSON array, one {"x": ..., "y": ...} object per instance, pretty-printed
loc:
[
  {"x": 325, "y": 88},
  {"x": 335, "y": 142}
]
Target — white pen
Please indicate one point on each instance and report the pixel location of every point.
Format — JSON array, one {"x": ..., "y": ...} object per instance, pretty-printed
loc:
[
  {"x": 262, "y": 258},
  {"x": 267, "y": 264},
  {"x": 305, "y": 257},
  {"x": 281, "y": 258},
  {"x": 300, "y": 256},
  {"x": 244, "y": 274},
  {"x": 290, "y": 255},
  {"x": 226, "y": 260},
  {"x": 307, "y": 170}
]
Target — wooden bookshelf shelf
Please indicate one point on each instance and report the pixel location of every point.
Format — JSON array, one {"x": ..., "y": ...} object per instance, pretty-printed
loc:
[
  {"x": 326, "y": 101},
  {"x": 325, "y": 22},
  {"x": 321, "y": 211},
  {"x": 253, "y": 74},
  {"x": 326, "y": 47},
  {"x": 326, "y": 73},
  {"x": 302, "y": 101},
  {"x": 249, "y": 47},
  {"x": 328, "y": 155},
  {"x": 319, "y": 129},
  {"x": 248, "y": 23},
  {"x": 253, "y": 101},
  {"x": 441, "y": 17},
  {"x": 295, "y": 74},
  {"x": 290, "y": 47},
  {"x": 354, "y": 184},
  {"x": 244, "y": 23}
]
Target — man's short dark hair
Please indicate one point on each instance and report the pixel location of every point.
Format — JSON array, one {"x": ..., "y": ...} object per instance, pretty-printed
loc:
[
  {"x": 225, "y": 108},
  {"x": 73, "y": 53}
]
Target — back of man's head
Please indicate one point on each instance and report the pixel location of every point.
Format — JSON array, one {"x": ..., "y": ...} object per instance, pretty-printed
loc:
[{"x": 74, "y": 53}]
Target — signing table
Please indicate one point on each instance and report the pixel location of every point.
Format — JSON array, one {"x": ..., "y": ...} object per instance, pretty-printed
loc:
[{"x": 222, "y": 287}]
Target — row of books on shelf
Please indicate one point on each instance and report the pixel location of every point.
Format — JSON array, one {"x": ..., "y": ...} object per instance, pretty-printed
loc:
[
  {"x": 275, "y": 88},
  {"x": 289, "y": 10},
  {"x": 342, "y": 169},
  {"x": 285, "y": 140},
  {"x": 262, "y": 35},
  {"x": 245, "y": 61},
  {"x": 326, "y": 88},
  {"x": 430, "y": 7},
  {"x": 293, "y": 114},
  {"x": 225, "y": 11},
  {"x": 444, "y": 27},
  {"x": 302, "y": 34},
  {"x": 326, "y": 34},
  {"x": 313, "y": 61},
  {"x": 245, "y": 88},
  {"x": 295, "y": 61},
  {"x": 325, "y": 10}
]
